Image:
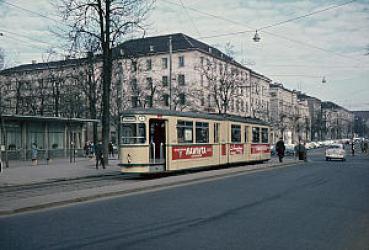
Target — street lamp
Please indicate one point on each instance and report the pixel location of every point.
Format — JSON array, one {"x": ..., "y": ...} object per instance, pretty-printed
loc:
[
  {"x": 256, "y": 37},
  {"x": 324, "y": 80}
]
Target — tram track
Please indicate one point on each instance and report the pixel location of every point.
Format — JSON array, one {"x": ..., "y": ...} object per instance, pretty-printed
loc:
[{"x": 58, "y": 186}]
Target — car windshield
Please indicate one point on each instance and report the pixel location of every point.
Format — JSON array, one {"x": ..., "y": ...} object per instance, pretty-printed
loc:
[{"x": 335, "y": 146}]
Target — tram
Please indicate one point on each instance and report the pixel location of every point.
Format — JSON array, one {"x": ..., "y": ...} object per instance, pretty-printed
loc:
[{"x": 155, "y": 141}]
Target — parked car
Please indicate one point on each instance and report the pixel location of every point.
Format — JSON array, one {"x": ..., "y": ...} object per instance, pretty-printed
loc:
[
  {"x": 335, "y": 151},
  {"x": 290, "y": 149}
]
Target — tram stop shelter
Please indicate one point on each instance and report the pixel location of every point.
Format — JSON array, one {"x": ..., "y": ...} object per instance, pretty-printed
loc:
[{"x": 54, "y": 137}]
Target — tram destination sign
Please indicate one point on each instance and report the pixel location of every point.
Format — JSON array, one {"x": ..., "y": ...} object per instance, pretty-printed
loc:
[{"x": 191, "y": 152}]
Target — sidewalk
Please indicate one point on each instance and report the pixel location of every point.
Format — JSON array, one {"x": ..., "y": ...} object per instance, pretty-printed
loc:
[
  {"x": 22, "y": 204},
  {"x": 23, "y": 173}
]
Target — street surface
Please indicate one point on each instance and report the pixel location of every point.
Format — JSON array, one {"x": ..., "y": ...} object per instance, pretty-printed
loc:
[{"x": 317, "y": 205}]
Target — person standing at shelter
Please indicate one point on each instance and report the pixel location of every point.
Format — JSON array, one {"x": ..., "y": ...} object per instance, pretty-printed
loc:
[
  {"x": 99, "y": 155},
  {"x": 353, "y": 148},
  {"x": 280, "y": 148},
  {"x": 34, "y": 152},
  {"x": 111, "y": 149}
]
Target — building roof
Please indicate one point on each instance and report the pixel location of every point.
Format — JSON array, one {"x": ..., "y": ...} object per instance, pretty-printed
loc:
[
  {"x": 332, "y": 105},
  {"x": 45, "y": 118},
  {"x": 44, "y": 65},
  {"x": 180, "y": 42},
  {"x": 212, "y": 116},
  {"x": 280, "y": 86},
  {"x": 142, "y": 47}
]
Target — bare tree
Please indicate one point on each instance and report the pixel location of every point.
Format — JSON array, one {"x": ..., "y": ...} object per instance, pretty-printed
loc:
[
  {"x": 107, "y": 22},
  {"x": 223, "y": 83}
]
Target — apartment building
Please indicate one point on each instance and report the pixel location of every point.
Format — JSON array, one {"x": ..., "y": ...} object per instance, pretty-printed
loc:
[{"x": 179, "y": 72}]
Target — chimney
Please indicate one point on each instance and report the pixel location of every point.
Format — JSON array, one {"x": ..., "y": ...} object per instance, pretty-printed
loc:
[{"x": 34, "y": 61}]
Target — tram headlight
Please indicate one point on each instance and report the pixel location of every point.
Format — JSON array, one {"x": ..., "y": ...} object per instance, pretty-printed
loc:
[{"x": 129, "y": 158}]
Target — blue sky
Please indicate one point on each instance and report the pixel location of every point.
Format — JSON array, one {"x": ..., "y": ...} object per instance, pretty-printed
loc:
[{"x": 299, "y": 54}]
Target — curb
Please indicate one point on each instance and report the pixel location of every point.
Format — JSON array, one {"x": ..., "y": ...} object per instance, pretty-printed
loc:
[{"x": 150, "y": 188}]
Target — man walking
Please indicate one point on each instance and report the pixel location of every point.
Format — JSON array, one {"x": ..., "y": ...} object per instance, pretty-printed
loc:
[
  {"x": 99, "y": 155},
  {"x": 280, "y": 148}
]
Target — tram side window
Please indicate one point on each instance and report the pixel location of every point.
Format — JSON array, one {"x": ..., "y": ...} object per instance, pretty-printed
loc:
[
  {"x": 235, "y": 133},
  {"x": 264, "y": 135},
  {"x": 184, "y": 132},
  {"x": 246, "y": 134},
  {"x": 134, "y": 133},
  {"x": 202, "y": 132},
  {"x": 216, "y": 132},
  {"x": 255, "y": 135}
]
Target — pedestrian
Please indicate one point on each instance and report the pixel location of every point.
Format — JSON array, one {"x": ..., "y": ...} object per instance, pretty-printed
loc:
[
  {"x": 366, "y": 146},
  {"x": 34, "y": 153},
  {"x": 111, "y": 149},
  {"x": 86, "y": 148},
  {"x": 280, "y": 148},
  {"x": 99, "y": 155},
  {"x": 353, "y": 148}
]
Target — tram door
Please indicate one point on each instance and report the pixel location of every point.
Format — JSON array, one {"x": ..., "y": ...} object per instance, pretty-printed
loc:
[{"x": 157, "y": 141}]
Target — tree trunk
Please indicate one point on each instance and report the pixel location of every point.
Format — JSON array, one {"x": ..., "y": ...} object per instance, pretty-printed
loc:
[{"x": 107, "y": 71}]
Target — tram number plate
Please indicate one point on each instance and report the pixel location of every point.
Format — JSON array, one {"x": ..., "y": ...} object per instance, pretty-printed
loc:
[
  {"x": 260, "y": 149},
  {"x": 191, "y": 152}
]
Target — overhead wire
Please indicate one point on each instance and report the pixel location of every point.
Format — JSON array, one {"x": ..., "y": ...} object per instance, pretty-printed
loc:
[
  {"x": 253, "y": 29},
  {"x": 32, "y": 12},
  {"x": 190, "y": 18},
  {"x": 305, "y": 15}
]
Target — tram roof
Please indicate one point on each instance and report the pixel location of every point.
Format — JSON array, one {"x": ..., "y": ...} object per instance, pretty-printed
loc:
[{"x": 211, "y": 116}]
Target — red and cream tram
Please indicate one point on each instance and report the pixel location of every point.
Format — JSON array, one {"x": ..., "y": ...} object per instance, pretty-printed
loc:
[{"x": 156, "y": 141}]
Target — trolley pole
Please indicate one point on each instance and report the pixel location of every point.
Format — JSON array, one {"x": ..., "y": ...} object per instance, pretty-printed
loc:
[{"x": 170, "y": 72}]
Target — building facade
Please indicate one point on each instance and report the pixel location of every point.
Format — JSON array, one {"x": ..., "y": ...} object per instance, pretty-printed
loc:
[
  {"x": 181, "y": 73},
  {"x": 337, "y": 122}
]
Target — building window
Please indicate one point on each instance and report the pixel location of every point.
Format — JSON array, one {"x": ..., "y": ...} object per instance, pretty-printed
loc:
[
  {"x": 135, "y": 102},
  {"x": 166, "y": 100},
  {"x": 149, "y": 82},
  {"x": 134, "y": 66},
  {"x": 181, "y": 62},
  {"x": 134, "y": 85},
  {"x": 184, "y": 132},
  {"x": 202, "y": 132},
  {"x": 182, "y": 99},
  {"x": 149, "y": 101},
  {"x": 255, "y": 135},
  {"x": 264, "y": 135},
  {"x": 164, "y": 63},
  {"x": 216, "y": 132},
  {"x": 235, "y": 133},
  {"x": 181, "y": 80},
  {"x": 164, "y": 81},
  {"x": 148, "y": 64}
]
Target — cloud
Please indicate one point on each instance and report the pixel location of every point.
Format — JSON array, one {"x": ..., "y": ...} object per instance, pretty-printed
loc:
[{"x": 330, "y": 44}]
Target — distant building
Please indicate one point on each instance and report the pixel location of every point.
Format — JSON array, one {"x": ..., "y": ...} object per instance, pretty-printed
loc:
[
  {"x": 315, "y": 113},
  {"x": 337, "y": 121},
  {"x": 361, "y": 123}
]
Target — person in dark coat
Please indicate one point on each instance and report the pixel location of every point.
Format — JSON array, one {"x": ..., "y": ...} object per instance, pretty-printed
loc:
[
  {"x": 280, "y": 148},
  {"x": 111, "y": 149},
  {"x": 99, "y": 155}
]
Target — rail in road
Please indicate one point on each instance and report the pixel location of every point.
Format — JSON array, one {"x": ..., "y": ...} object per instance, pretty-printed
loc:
[{"x": 43, "y": 195}]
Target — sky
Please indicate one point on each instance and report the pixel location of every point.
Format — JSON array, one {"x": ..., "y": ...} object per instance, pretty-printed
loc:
[{"x": 330, "y": 42}]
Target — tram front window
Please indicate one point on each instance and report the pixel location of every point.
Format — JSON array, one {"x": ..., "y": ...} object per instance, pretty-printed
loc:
[{"x": 134, "y": 133}]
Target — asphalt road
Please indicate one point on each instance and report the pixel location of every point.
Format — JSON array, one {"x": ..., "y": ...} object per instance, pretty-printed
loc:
[{"x": 318, "y": 205}]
